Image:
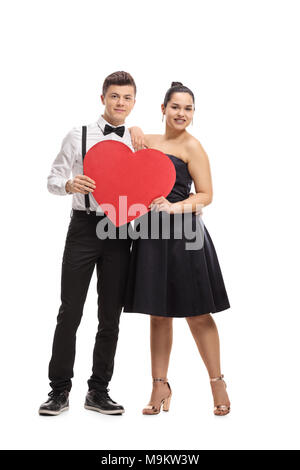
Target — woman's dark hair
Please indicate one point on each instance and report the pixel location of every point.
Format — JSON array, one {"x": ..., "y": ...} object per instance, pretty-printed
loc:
[
  {"x": 177, "y": 87},
  {"x": 118, "y": 78}
]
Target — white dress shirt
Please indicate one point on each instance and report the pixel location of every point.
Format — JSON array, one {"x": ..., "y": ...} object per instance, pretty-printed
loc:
[{"x": 69, "y": 160}]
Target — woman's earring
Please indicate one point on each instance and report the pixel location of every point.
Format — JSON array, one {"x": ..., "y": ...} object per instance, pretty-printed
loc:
[{"x": 163, "y": 118}]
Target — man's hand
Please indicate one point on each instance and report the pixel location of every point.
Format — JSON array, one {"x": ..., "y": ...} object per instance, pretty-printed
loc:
[
  {"x": 80, "y": 184},
  {"x": 137, "y": 138}
]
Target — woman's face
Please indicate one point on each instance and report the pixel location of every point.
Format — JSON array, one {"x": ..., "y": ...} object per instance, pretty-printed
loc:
[{"x": 179, "y": 111}]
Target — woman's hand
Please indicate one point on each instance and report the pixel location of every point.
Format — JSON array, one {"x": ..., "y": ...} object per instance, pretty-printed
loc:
[
  {"x": 161, "y": 204},
  {"x": 137, "y": 138}
]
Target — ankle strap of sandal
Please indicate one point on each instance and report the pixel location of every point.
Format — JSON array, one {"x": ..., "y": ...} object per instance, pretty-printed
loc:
[
  {"x": 160, "y": 380},
  {"x": 214, "y": 379}
]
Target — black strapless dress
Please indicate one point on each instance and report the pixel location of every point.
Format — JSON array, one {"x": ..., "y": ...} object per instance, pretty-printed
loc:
[{"x": 165, "y": 278}]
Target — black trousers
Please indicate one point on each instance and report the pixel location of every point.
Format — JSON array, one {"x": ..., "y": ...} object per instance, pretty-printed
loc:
[{"x": 83, "y": 251}]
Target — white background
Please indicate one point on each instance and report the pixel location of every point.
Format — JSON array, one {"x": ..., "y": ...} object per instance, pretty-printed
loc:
[{"x": 241, "y": 59}]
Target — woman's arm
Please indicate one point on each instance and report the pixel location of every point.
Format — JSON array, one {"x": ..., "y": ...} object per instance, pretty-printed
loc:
[{"x": 199, "y": 169}]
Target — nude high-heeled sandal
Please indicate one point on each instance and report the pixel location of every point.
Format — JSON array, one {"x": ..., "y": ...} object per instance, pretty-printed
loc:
[
  {"x": 153, "y": 410},
  {"x": 220, "y": 410}
]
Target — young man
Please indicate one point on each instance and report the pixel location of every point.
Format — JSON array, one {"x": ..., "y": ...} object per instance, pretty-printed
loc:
[{"x": 83, "y": 251}]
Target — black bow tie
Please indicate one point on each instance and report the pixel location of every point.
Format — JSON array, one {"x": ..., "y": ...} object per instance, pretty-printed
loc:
[{"x": 118, "y": 130}]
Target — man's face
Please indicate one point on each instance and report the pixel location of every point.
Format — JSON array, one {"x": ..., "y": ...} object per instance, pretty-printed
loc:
[{"x": 119, "y": 101}]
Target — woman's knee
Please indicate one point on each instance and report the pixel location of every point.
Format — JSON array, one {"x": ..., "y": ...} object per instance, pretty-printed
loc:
[
  {"x": 160, "y": 321},
  {"x": 199, "y": 320}
]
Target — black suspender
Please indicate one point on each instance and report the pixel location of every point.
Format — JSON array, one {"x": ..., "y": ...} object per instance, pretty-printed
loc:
[{"x": 86, "y": 196}]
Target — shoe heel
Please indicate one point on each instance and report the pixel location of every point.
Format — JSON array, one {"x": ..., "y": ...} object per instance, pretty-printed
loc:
[
  {"x": 166, "y": 404},
  {"x": 225, "y": 409}
]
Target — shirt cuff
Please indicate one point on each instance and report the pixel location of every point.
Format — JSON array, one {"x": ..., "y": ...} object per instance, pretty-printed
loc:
[
  {"x": 65, "y": 187},
  {"x": 63, "y": 191},
  {"x": 58, "y": 186}
]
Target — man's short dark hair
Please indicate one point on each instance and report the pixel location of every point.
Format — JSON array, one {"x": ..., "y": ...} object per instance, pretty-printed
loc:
[{"x": 118, "y": 78}]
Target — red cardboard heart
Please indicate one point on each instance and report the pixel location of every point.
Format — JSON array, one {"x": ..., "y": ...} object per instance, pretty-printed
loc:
[{"x": 124, "y": 178}]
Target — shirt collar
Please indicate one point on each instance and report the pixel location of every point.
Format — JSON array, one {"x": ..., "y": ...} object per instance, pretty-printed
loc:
[{"x": 101, "y": 123}]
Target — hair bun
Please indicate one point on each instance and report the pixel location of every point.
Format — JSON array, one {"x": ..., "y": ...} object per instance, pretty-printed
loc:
[{"x": 176, "y": 84}]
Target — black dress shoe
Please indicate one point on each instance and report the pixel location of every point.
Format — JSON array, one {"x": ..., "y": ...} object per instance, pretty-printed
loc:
[
  {"x": 58, "y": 402},
  {"x": 101, "y": 401}
]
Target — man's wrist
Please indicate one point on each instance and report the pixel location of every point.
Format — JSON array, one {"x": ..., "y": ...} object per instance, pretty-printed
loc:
[{"x": 67, "y": 187}]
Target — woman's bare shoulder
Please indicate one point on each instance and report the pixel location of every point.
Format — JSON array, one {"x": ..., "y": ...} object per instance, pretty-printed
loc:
[
  {"x": 194, "y": 148},
  {"x": 152, "y": 139}
]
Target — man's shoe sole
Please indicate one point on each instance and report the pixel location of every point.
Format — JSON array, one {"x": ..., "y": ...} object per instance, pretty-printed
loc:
[
  {"x": 105, "y": 412},
  {"x": 52, "y": 413}
]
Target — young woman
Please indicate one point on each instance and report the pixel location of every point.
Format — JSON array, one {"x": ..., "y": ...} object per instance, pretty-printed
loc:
[{"x": 166, "y": 279}]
